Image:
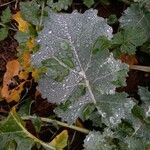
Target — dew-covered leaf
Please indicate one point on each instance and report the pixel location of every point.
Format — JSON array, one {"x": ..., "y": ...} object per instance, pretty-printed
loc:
[
  {"x": 145, "y": 98},
  {"x": 99, "y": 141},
  {"x": 69, "y": 51},
  {"x": 30, "y": 11},
  {"x": 135, "y": 16}
]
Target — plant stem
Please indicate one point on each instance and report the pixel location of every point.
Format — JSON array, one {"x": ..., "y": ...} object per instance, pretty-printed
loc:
[
  {"x": 7, "y": 3},
  {"x": 3, "y": 25},
  {"x": 86, "y": 131},
  {"x": 42, "y": 13},
  {"x": 140, "y": 68}
]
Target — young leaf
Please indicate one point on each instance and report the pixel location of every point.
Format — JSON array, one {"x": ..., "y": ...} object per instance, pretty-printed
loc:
[
  {"x": 135, "y": 16},
  {"x": 145, "y": 97},
  {"x": 67, "y": 43},
  {"x": 6, "y": 15},
  {"x": 129, "y": 38},
  {"x": 13, "y": 129},
  {"x": 89, "y": 3},
  {"x": 3, "y": 33},
  {"x": 59, "y": 5},
  {"x": 30, "y": 11}
]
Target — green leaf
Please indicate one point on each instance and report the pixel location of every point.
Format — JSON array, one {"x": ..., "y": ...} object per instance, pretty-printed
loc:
[
  {"x": 12, "y": 130},
  {"x": 129, "y": 38},
  {"x": 145, "y": 98},
  {"x": 30, "y": 11},
  {"x": 114, "y": 108},
  {"x": 3, "y": 33},
  {"x": 88, "y": 3},
  {"x": 68, "y": 42},
  {"x": 25, "y": 109},
  {"x": 59, "y": 5},
  {"x": 135, "y": 16},
  {"x": 98, "y": 141},
  {"x": 6, "y": 15},
  {"x": 21, "y": 37}
]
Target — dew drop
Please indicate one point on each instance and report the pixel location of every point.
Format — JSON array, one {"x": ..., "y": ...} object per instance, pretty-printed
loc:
[{"x": 50, "y": 32}]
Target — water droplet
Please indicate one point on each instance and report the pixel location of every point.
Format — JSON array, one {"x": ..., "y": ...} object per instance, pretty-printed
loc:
[{"x": 50, "y": 32}]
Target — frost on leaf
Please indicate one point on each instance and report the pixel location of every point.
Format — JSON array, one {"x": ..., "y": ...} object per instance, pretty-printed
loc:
[
  {"x": 98, "y": 141},
  {"x": 145, "y": 98},
  {"x": 74, "y": 69},
  {"x": 135, "y": 16}
]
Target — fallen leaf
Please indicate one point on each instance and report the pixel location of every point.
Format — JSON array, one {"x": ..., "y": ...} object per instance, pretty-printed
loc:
[
  {"x": 129, "y": 59},
  {"x": 13, "y": 69}
]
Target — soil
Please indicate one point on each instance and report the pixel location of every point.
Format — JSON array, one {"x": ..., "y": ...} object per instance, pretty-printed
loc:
[{"x": 40, "y": 106}]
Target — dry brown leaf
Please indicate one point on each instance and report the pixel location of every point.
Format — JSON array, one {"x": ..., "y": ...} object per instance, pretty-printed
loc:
[
  {"x": 129, "y": 59},
  {"x": 13, "y": 69}
]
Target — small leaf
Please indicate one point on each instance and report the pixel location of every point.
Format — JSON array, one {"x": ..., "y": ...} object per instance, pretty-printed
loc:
[
  {"x": 59, "y": 5},
  {"x": 88, "y": 3},
  {"x": 30, "y": 11},
  {"x": 3, "y": 33},
  {"x": 25, "y": 109},
  {"x": 129, "y": 39},
  {"x": 134, "y": 16},
  {"x": 145, "y": 97},
  {"x": 6, "y": 15},
  {"x": 98, "y": 141},
  {"x": 60, "y": 141}
]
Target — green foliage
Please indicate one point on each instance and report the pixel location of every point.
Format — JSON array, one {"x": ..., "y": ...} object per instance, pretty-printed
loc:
[
  {"x": 5, "y": 18},
  {"x": 129, "y": 39},
  {"x": 6, "y": 15},
  {"x": 3, "y": 33},
  {"x": 135, "y": 16},
  {"x": 89, "y": 3},
  {"x": 30, "y": 11},
  {"x": 60, "y": 5},
  {"x": 13, "y": 132}
]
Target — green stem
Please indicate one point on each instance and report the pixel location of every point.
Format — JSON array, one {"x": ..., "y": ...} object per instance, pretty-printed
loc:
[
  {"x": 140, "y": 68},
  {"x": 42, "y": 13},
  {"x": 86, "y": 131}
]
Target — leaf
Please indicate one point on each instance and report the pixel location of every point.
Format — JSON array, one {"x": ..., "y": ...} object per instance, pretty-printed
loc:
[
  {"x": 67, "y": 43},
  {"x": 145, "y": 97},
  {"x": 88, "y": 3},
  {"x": 98, "y": 141},
  {"x": 30, "y": 12},
  {"x": 12, "y": 129},
  {"x": 60, "y": 141},
  {"x": 129, "y": 39},
  {"x": 3, "y": 33},
  {"x": 6, "y": 15},
  {"x": 134, "y": 16},
  {"x": 25, "y": 109},
  {"x": 59, "y": 5},
  {"x": 23, "y": 25}
]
